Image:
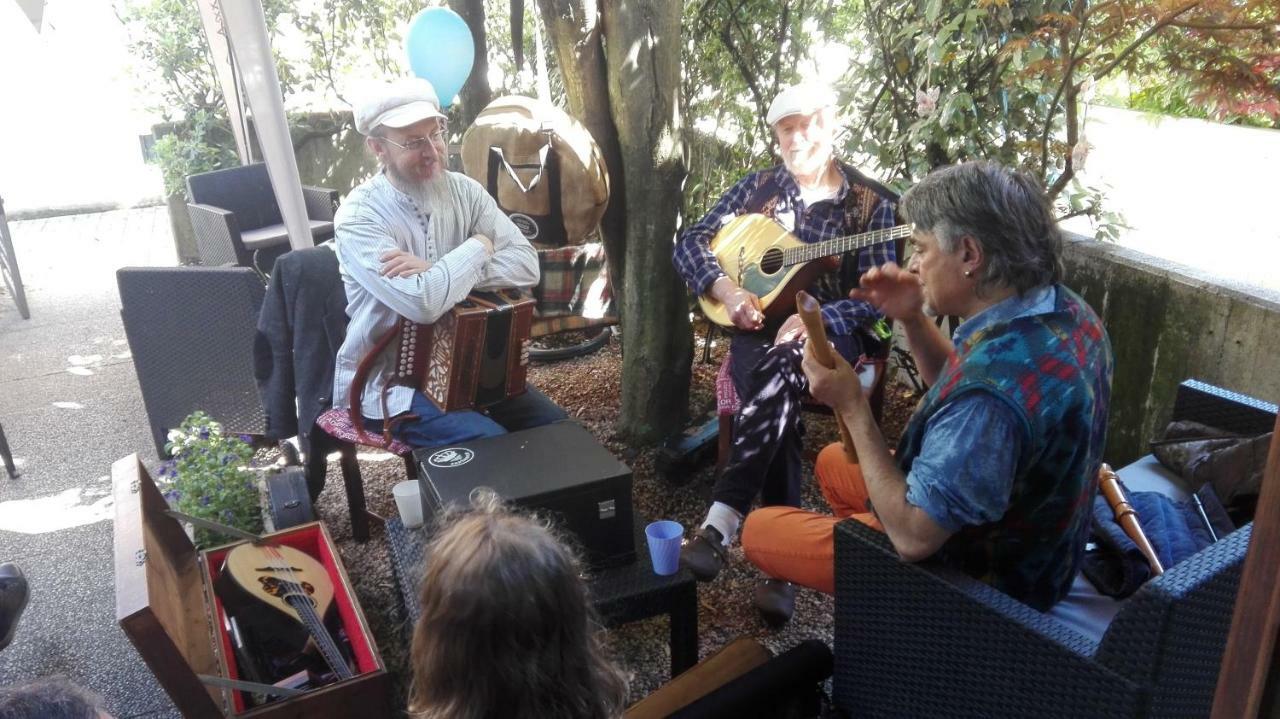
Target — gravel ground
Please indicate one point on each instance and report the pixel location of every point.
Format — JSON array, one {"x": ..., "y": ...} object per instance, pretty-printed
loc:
[{"x": 588, "y": 389}]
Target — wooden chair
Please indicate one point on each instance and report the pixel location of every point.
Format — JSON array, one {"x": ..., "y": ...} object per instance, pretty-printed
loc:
[{"x": 335, "y": 431}]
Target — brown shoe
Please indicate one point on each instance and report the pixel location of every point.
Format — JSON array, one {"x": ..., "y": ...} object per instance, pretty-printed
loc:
[
  {"x": 776, "y": 600},
  {"x": 704, "y": 554}
]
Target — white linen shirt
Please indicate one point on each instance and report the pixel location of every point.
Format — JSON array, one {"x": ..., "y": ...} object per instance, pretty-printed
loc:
[{"x": 377, "y": 217}]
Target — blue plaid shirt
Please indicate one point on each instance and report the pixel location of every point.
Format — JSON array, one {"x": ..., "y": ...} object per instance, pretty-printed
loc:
[{"x": 825, "y": 220}]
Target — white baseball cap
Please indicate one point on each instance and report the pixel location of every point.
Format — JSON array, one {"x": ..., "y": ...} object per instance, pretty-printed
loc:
[
  {"x": 399, "y": 103},
  {"x": 802, "y": 99}
]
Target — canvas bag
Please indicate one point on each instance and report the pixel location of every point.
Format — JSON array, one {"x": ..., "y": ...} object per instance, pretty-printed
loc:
[{"x": 541, "y": 166}]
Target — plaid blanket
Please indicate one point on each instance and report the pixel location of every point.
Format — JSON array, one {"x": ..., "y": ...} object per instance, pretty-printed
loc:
[{"x": 573, "y": 281}]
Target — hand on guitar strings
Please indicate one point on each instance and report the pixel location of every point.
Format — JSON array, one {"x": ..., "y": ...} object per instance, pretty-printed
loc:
[
  {"x": 793, "y": 330},
  {"x": 743, "y": 306},
  {"x": 893, "y": 290},
  {"x": 398, "y": 263},
  {"x": 837, "y": 387}
]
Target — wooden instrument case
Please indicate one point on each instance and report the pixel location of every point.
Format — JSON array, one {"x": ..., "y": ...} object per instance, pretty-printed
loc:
[{"x": 166, "y": 606}]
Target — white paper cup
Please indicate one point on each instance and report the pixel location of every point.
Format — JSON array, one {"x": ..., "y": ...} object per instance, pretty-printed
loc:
[{"x": 408, "y": 503}]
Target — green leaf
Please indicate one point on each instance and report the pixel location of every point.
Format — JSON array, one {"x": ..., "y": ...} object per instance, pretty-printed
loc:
[{"x": 931, "y": 11}]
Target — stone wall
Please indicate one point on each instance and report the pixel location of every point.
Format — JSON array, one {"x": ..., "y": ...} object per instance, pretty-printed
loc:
[{"x": 1169, "y": 322}]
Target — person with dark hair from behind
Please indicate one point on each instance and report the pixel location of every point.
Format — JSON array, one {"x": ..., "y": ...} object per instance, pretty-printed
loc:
[
  {"x": 506, "y": 628},
  {"x": 50, "y": 698},
  {"x": 996, "y": 471}
]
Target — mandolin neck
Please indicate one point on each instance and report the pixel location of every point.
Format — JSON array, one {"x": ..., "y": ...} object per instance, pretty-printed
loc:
[
  {"x": 320, "y": 634},
  {"x": 840, "y": 245}
]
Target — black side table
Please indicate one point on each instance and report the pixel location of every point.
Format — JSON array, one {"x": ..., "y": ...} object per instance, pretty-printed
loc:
[{"x": 620, "y": 594}]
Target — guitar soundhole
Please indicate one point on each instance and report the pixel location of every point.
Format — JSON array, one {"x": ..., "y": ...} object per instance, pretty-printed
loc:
[{"x": 771, "y": 261}]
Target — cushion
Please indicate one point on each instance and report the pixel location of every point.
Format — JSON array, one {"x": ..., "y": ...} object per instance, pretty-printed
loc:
[
  {"x": 337, "y": 424},
  {"x": 272, "y": 235},
  {"x": 1086, "y": 610}
]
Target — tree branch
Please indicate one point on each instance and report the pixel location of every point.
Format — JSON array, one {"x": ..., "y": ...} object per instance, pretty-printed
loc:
[
  {"x": 1193, "y": 25},
  {"x": 1076, "y": 213},
  {"x": 1157, "y": 27}
]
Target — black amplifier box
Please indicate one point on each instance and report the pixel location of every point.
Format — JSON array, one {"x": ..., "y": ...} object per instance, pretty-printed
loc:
[{"x": 557, "y": 468}]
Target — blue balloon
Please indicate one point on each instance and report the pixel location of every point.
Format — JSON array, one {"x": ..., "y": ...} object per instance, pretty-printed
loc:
[{"x": 440, "y": 50}]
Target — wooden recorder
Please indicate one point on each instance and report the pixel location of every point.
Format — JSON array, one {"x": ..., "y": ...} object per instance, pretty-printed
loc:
[{"x": 470, "y": 357}]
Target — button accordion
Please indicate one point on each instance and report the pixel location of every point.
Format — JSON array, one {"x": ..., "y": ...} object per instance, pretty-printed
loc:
[{"x": 470, "y": 357}]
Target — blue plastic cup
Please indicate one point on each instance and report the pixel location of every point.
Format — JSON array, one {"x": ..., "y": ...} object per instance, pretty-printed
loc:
[{"x": 664, "y": 545}]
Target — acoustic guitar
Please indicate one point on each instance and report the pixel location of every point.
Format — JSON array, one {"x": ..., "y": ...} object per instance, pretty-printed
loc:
[
  {"x": 283, "y": 595},
  {"x": 763, "y": 258}
]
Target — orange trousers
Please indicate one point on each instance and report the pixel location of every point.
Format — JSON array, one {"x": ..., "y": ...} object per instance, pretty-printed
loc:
[{"x": 799, "y": 546}]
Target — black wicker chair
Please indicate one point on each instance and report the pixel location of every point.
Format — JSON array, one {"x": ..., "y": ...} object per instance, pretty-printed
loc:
[
  {"x": 191, "y": 333},
  {"x": 919, "y": 640},
  {"x": 237, "y": 221}
]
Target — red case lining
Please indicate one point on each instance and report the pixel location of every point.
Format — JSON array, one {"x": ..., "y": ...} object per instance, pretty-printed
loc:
[{"x": 306, "y": 539}]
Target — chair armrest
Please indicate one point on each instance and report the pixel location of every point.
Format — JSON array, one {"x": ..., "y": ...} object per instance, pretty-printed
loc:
[
  {"x": 1170, "y": 635},
  {"x": 321, "y": 202},
  {"x": 730, "y": 662},
  {"x": 917, "y": 640},
  {"x": 217, "y": 235},
  {"x": 1204, "y": 403}
]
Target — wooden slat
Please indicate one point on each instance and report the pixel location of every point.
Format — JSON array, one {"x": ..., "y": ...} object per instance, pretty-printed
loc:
[{"x": 1247, "y": 663}]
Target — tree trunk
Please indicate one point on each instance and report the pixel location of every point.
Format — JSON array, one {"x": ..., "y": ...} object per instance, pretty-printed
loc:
[
  {"x": 475, "y": 92},
  {"x": 575, "y": 32},
  {"x": 643, "y": 58}
]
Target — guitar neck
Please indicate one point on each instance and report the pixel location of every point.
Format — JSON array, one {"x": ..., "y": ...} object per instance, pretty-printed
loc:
[
  {"x": 840, "y": 245},
  {"x": 315, "y": 625}
]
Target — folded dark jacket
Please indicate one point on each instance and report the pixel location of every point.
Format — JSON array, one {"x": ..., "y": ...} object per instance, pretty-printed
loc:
[
  {"x": 1116, "y": 566},
  {"x": 1232, "y": 464}
]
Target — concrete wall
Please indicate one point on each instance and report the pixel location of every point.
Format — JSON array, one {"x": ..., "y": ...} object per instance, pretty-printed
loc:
[{"x": 1169, "y": 322}]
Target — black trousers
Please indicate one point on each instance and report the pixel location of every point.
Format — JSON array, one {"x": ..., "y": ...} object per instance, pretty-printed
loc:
[{"x": 768, "y": 434}]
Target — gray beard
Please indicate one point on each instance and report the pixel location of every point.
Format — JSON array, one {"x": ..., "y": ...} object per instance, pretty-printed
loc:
[{"x": 432, "y": 196}]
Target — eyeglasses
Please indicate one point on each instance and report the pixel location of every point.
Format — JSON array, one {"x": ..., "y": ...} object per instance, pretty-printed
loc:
[{"x": 420, "y": 143}]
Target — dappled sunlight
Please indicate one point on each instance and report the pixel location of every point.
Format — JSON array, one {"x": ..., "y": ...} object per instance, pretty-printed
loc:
[
  {"x": 74, "y": 507},
  {"x": 371, "y": 456}
]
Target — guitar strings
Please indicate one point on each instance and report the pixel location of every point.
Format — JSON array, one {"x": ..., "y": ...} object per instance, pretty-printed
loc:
[{"x": 848, "y": 243}]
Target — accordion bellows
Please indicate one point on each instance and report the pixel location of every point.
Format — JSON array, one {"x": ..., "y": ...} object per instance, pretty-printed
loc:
[{"x": 470, "y": 357}]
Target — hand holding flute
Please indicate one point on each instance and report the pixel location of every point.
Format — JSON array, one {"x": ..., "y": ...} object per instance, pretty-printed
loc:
[{"x": 810, "y": 313}]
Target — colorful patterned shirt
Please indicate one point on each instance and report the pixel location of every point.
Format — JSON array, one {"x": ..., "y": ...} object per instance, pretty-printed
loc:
[{"x": 1053, "y": 370}]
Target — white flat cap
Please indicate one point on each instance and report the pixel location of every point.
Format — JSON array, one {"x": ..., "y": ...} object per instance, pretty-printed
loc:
[
  {"x": 803, "y": 99},
  {"x": 399, "y": 103}
]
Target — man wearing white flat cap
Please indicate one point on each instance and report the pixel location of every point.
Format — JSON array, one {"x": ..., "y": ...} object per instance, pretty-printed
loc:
[
  {"x": 413, "y": 241},
  {"x": 816, "y": 197}
]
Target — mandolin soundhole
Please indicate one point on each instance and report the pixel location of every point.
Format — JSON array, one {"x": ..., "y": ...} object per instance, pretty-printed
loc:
[{"x": 771, "y": 261}]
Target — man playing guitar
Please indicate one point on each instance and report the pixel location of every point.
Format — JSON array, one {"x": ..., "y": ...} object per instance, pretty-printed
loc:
[
  {"x": 816, "y": 197},
  {"x": 413, "y": 241}
]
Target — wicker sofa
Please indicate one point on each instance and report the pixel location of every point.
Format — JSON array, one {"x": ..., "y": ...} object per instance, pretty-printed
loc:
[{"x": 916, "y": 640}]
